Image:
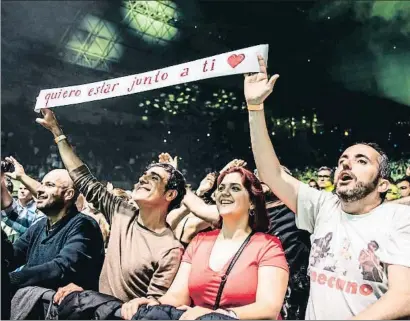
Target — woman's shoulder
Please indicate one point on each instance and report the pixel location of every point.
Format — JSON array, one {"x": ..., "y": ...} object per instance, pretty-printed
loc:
[
  {"x": 265, "y": 239},
  {"x": 207, "y": 235},
  {"x": 202, "y": 241},
  {"x": 265, "y": 236}
]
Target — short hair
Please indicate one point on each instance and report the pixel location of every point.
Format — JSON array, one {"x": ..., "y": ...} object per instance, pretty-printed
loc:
[
  {"x": 384, "y": 165},
  {"x": 259, "y": 221},
  {"x": 175, "y": 182},
  {"x": 325, "y": 168},
  {"x": 403, "y": 179}
]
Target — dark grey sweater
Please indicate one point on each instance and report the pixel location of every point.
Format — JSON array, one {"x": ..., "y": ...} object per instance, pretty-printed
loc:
[{"x": 72, "y": 252}]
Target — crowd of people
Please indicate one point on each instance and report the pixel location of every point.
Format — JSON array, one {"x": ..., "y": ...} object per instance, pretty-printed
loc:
[{"x": 246, "y": 244}]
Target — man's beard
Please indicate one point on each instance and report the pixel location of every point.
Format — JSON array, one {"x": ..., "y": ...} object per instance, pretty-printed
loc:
[
  {"x": 358, "y": 192},
  {"x": 51, "y": 209}
]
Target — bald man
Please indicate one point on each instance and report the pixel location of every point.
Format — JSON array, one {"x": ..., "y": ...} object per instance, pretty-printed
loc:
[{"x": 63, "y": 247}]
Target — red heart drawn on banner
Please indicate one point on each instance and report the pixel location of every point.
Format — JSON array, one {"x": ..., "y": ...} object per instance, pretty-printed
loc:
[{"x": 234, "y": 60}]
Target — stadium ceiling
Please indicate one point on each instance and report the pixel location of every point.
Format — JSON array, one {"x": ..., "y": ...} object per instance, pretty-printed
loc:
[{"x": 98, "y": 42}]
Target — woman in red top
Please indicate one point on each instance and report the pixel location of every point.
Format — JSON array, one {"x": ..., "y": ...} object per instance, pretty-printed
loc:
[{"x": 256, "y": 286}]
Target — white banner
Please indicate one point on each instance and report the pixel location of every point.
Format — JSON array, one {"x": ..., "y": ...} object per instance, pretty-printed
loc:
[{"x": 231, "y": 63}]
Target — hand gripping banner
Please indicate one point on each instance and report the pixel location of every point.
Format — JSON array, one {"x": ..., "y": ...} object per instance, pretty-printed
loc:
[{"x": 226, "y": 64}]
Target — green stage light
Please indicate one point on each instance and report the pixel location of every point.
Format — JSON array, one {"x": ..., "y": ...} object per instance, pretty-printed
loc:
[
  {"x": 94, "y": 43},
  {"x": 152, "y": 21}
]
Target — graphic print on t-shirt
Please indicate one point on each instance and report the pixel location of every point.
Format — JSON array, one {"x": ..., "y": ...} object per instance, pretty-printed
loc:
[
  {"x": 339, "y": 261},
  {"x": 322, "y": 257},
  {"x": 339, "y": 264},
  {"x": 320, "y": 250},
  {"x": 370, "y": 264}
]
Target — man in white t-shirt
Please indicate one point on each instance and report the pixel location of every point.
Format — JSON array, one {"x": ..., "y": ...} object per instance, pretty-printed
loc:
[{"x": 360, "y": 259}]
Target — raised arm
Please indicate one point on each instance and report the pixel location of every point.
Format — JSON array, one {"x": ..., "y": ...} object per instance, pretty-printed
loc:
[
  {"x": 13, "y": 215},
  {"x": 201, "y": 208},
  {"x": 257, "y": 88},
  {"x": 176, "y": 216},
  {"x": 194, "y": 202},
  {"x": 20, "y": 175},
  {"x": 208, "y": 213},
  {"x": 70, "y": 159},
  {"x": 94, "y": 192}
]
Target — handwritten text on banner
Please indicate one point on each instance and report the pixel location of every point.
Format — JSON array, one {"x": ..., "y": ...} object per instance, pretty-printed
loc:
[{"x": 231, "y": 63}]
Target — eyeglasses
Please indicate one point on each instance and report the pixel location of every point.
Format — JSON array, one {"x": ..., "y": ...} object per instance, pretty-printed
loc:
[{"x": 323, "y": 176}]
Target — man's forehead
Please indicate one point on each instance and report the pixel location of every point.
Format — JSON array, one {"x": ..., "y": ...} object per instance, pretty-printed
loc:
[
  {"x": 50, "y": 177},
  {"x": 57, "y": 177},
  {"x": 159, "y": 171},
  {"x": 368, "y": 151}
]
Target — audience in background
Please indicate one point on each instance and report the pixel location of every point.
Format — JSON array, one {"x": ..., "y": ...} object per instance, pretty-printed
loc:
[
  {"x": 393, "y": 192},
  {"x": 403, "y": 185},
  {"x": 325, "y": 179},
  {"x": 313, "y": 183},
  {"x": 87, "y": 208},
  {"x": 18, "y": 214}
]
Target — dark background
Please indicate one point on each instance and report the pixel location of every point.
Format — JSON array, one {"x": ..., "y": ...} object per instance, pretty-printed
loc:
[{"x": 346, "y": 63}]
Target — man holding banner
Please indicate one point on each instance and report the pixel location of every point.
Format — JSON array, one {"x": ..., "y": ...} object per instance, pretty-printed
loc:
[
  {"x": 350, "y": 222},
  {"x": 143, "y": 255}
]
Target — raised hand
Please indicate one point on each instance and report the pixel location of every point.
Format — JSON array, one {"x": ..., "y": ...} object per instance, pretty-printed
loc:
[
  {"x": 257, "y": 87},
  {"x": 206, "y": 184},
  {"x": 18, "y": 169},
  {"x": 166, "y": 158},
  {"x": 234, "y": 163},
  {"x": 49, "y": 121}
]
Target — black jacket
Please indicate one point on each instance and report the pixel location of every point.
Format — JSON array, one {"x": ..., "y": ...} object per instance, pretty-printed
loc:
[
  {"x": 91, "y": 305},
  {"x": 88, "y": 305},
  {"x": 296, "y": 245}
]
